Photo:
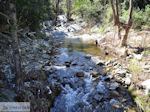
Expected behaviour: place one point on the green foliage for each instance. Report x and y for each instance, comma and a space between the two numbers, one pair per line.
134, 66
32, 12
90, 11
140, 17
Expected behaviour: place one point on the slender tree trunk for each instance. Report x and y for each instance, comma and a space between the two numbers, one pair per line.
57, 11
16, 51
128, 26
116, 16
118, 20
113, 10
69, 5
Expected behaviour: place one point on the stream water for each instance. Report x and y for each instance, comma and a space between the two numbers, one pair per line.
80, 46
81, 91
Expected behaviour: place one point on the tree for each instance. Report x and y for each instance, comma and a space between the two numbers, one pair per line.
69, 8
128, 25
120, 25
56, 11
15, 44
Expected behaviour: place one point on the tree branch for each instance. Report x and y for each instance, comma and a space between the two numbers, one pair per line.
6, 16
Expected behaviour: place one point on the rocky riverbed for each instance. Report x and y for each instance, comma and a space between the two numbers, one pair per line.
64, 73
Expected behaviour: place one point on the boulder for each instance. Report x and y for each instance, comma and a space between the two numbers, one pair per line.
121, 72
97, 61
98, 97
127, 81
80, 74
114, 86
100, 88
94, 74
115, 103
146, 85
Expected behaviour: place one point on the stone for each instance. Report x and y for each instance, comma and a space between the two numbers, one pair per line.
45, 56
138, 56
67, 63
107, 77
94, 74
127, 81
114, 86
27, 84
128, 75
115, 103
97, 61
80, 74
87, 56
121, 72
98, 97
74, 28
47, 68
146, 85
101, 88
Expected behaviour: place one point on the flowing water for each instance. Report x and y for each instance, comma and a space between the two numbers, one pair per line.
83, 93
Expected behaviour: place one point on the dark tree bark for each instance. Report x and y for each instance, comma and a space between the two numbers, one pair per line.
120, 25
56, 11
69, 7
128, 26
15, 44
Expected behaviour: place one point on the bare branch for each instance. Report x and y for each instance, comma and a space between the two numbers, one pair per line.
6, 16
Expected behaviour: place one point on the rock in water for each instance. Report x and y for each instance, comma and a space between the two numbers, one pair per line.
101, 88
115, 103
114, 86
79, 74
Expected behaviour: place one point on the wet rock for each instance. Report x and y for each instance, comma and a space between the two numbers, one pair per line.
101, 88
67, 63
98, 97
87, 56
114, 86
107, 77
48, 90
79, 74
115, 103
114, 94
97, 61
146, 86
94, 74
62, 19
47, 68
27, 84
74, 28
45, 56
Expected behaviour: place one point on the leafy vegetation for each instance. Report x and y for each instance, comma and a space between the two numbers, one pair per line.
134, 66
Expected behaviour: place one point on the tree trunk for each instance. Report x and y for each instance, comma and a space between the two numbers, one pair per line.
116, 16
15, 44
128, 26
56, 11
69, 5
118, 20
113, 10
